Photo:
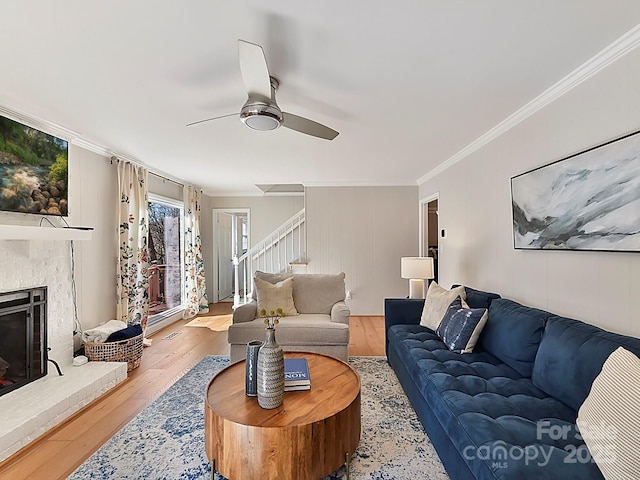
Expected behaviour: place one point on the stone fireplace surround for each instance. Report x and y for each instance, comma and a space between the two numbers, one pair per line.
32, 410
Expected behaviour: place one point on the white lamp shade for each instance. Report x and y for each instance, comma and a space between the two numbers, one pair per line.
416, 267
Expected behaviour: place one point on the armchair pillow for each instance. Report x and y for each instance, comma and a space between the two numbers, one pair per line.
437, 302
275, 295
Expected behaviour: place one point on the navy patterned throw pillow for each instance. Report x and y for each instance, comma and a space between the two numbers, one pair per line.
461, 327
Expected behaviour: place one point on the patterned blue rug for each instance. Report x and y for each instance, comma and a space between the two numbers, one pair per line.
166, 440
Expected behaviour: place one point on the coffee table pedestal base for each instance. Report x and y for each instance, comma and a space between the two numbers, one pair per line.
309, 451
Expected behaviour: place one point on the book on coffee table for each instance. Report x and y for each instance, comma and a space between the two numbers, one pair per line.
296, 374
296, 388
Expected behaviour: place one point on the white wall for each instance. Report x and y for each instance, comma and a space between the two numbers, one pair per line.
93, 199
267, 213
363, 231
475, 208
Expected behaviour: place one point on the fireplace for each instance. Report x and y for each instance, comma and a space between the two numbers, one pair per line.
23, 337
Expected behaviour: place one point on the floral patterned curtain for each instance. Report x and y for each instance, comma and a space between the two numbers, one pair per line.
195, 285
132, 284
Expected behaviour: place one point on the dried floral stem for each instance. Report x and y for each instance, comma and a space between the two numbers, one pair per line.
272, 318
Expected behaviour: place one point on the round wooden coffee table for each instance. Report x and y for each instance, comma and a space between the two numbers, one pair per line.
312, 434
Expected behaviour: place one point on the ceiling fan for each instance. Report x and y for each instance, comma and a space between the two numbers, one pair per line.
260, 111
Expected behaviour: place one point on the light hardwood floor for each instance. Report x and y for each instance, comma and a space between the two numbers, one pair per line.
59, 452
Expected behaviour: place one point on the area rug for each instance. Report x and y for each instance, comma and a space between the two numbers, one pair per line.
166, 439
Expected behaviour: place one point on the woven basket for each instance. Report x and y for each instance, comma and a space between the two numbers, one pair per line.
129, 350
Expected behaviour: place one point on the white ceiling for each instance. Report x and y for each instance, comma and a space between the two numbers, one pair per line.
406, 83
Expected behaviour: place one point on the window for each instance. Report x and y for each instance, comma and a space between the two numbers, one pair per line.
245, 234
166, 227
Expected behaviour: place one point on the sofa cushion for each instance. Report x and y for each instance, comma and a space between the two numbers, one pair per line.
437, 302
478, 298
305, 329
317, 293
272, 296
609, 418
513, 333
312, 292
461, 327
571, 355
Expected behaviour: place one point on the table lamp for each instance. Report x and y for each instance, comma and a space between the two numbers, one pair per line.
416, 269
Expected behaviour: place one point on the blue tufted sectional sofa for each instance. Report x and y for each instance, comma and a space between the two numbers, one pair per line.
508, 409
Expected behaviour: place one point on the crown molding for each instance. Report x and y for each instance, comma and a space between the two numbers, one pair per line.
112, 155
359, 184
232, 193
104, 151
75, 138
610, 54
71, 136
259, 193
92, 147
40, 124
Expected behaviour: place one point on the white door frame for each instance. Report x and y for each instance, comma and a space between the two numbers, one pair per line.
424, 225
215, 242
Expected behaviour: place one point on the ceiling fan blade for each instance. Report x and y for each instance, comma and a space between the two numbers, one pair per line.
254, 70
304, 125
212, 118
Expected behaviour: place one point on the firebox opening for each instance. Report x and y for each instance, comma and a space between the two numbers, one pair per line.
23, 337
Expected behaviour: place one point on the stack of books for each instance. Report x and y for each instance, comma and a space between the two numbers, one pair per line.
296, 374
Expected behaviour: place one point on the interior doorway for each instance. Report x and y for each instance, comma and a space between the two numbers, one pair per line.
429, 231
231, 236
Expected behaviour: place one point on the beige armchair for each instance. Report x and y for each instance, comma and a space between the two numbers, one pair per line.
321, 324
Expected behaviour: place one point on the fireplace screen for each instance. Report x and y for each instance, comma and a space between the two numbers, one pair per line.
23, 337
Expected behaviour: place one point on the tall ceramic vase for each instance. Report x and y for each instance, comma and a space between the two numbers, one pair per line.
270, 372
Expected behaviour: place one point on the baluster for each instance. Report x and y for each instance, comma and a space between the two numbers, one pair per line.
300, 242
244, 274
236, 293
273, 270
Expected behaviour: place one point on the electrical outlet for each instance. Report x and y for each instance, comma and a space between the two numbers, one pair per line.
348, 295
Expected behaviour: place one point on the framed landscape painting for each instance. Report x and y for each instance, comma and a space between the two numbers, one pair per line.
588, 201
33, 170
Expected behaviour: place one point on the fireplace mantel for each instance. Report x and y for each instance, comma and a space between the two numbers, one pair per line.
28, 232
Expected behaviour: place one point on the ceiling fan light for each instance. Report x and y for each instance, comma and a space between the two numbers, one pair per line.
261, 122
262, 116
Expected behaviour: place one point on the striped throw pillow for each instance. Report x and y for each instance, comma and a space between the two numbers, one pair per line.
609, 418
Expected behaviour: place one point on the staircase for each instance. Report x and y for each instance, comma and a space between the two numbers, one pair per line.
285, 246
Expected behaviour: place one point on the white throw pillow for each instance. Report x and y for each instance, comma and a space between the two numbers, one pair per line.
609, 418
437, 302
272, 296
